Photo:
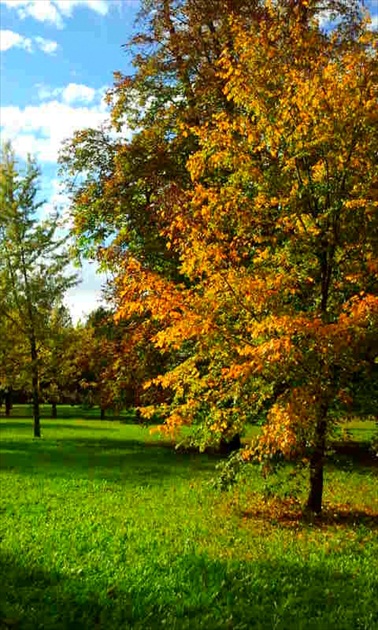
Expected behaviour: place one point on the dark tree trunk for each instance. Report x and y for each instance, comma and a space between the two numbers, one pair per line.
314, 501
102, 413
35, 388
8, 403
54, 413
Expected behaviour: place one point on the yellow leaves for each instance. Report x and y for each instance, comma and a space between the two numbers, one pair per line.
247, 454
237, 371
319, 171
290, 424
355, 204
196, 166
361, 310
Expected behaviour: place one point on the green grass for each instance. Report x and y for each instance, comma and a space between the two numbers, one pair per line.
104, 526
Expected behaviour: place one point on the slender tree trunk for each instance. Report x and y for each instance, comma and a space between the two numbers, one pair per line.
35, 387
54, 413
314, 501
102, 413
8, 403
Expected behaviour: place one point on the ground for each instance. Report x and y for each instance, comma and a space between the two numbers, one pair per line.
104, 526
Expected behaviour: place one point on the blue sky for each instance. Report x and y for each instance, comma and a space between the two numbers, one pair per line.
57, 60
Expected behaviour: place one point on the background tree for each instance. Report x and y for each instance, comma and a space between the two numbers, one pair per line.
33, 263
114, 360
58, 358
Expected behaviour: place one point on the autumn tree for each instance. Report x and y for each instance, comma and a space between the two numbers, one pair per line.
277, 240
58, 359
114, 359
217, 254
33, 263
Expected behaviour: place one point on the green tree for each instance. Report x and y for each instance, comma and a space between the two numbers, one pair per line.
33, 263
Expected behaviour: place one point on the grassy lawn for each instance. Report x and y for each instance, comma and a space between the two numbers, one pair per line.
104, 526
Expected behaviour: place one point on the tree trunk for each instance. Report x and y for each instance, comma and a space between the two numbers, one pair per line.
8, 403
35, 388
102, 413
314, 501
54, 413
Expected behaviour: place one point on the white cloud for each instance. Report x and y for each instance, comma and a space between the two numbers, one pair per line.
53, 11
78, 93
81, 302
41, 10
41, 129
10, 39
47, 46
86, 297
73, 93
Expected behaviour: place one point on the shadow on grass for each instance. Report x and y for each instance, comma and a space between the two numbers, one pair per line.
288, 514
126, 461
195, 592
353, 453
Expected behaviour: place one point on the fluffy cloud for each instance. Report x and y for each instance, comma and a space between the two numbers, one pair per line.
78, 93
71, 93
81, 301
41, 129
10, 39
41, 10
54, 11
46, 45
86, 296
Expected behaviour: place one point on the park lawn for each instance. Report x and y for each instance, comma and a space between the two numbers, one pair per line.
104, 526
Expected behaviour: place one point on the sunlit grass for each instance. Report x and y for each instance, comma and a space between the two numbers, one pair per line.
103, 526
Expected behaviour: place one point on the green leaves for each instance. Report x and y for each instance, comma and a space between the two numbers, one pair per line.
33, 272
